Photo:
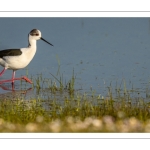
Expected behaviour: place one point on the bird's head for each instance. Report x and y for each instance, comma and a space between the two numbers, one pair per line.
35, 34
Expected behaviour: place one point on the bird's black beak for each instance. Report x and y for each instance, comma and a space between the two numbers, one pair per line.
46, 41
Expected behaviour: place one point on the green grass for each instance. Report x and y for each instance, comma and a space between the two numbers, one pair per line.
76, 112
58, 107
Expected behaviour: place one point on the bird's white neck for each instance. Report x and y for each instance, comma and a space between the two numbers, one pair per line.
32, 43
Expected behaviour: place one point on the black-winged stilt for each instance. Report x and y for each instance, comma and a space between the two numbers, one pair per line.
16, 59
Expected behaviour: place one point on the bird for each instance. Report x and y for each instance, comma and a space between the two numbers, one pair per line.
15, 59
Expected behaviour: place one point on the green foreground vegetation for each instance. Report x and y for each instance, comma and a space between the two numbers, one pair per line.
68, 110
73, 112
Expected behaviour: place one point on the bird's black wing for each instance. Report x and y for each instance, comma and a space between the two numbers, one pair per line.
10, 52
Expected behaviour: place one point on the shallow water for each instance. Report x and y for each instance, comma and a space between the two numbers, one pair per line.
103, 52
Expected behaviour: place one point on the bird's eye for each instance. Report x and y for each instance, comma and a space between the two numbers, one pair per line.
37, 34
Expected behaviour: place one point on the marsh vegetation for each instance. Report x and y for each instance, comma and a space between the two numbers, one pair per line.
56, 106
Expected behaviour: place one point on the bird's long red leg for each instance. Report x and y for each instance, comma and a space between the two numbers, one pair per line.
13, 78
2, 74
2, 71
24, 78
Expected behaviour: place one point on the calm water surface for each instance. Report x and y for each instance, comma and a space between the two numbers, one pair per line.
101, 51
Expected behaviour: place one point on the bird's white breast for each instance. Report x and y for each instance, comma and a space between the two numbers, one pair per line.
20, 61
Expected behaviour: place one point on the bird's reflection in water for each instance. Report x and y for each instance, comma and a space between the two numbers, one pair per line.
14, 91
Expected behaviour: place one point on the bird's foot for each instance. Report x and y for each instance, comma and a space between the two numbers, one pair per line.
26, 79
